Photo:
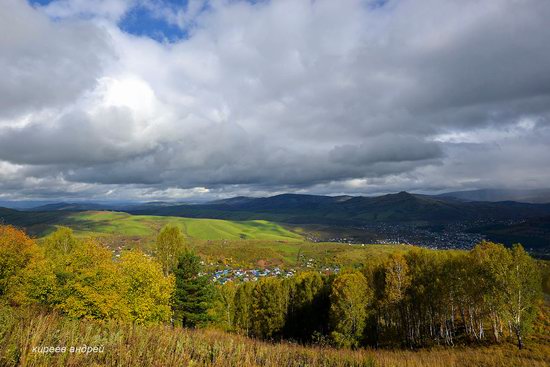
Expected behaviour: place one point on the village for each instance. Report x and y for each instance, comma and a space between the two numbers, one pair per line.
228, 274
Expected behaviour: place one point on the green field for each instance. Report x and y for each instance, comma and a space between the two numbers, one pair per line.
233, 243
290, 254
145, 226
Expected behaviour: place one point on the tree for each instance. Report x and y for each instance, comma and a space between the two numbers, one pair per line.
17, 252
146, 290
396, 279
243, 307
194, 292
61, 242
522, 292
307, 306
169, 246
89, 284
490, 272
225, 304
393, 281
269, 306
349, 298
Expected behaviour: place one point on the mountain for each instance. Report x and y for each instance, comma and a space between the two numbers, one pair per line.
531, 233
73, 207
90, 205
34, 222
22, 204
304, 209
525, 196
316, 209
238, 200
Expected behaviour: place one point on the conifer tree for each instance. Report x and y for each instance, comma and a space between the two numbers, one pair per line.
194, 292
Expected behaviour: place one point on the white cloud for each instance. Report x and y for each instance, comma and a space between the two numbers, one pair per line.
321, 96
112, 10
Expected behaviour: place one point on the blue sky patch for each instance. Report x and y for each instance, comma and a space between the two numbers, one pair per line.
140, 21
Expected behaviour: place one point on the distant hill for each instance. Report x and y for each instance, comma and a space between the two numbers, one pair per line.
317, 209
531, 233
524, 196
22, 204
73, 207
34, 222
303, 209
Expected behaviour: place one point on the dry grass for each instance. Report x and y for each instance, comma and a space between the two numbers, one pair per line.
137, 345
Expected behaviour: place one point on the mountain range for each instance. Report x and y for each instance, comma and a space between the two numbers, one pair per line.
349, 210
335, 216
317, 209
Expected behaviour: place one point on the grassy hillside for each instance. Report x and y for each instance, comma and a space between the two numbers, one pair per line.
289, 254
123, 224
246, 243
97, 223
139, 345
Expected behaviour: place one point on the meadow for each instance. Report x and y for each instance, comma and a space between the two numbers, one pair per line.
221, 242
103, 222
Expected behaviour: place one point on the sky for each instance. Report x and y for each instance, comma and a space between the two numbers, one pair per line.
198, 99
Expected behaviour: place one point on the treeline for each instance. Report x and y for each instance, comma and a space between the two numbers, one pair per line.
415, 299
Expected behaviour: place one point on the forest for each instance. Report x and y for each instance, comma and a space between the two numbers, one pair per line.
406, 300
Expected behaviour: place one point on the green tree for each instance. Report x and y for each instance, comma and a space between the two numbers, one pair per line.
308, 306
269, 306
194, 292
170, 245
349, 298
490, 272
61, 242
243, 307
225, 305
523, 289
392, 283
396, 279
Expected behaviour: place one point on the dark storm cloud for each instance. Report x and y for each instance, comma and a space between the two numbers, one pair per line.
325, 96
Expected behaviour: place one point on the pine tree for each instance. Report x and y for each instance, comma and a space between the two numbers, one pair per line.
194, 292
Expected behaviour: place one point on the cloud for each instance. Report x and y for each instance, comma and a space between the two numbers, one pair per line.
45, 64
273, 96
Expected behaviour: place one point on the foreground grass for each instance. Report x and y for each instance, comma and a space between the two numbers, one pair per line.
138, 345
